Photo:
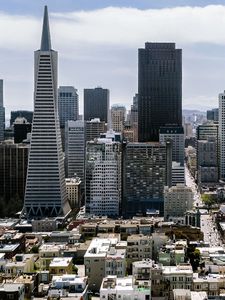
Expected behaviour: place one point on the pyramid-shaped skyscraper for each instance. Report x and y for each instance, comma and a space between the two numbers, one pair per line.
45, 194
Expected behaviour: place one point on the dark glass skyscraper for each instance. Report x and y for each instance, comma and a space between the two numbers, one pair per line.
159, 89
96, 104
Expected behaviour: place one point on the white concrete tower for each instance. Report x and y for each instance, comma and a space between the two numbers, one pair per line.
45, 194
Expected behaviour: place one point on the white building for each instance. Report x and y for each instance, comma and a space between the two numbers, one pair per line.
75, 149
68, 285
45, 193
118, 115
222, 134
123, 288
103, 177
177, 200
73, 191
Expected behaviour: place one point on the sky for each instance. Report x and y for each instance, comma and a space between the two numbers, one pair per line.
98, 40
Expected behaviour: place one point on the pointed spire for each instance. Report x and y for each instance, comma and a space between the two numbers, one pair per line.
45, 38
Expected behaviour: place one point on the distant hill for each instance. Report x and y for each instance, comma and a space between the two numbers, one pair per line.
193, 111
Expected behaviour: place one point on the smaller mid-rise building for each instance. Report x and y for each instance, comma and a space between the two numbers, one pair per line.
123, 288
61, 265
47, 252
118, 115
21, 263
176, 136
13, 291
94, 128
73, 190
139, 247
177, 200
68, 285
178, 173
103, 258
177, 277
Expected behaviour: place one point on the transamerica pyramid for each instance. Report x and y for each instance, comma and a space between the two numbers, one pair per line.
45, 194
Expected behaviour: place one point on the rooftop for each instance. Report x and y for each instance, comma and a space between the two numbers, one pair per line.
60, 262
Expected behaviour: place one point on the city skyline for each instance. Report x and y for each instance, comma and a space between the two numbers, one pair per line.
112, 61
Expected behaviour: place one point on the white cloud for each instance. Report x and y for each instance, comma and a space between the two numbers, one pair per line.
100, 47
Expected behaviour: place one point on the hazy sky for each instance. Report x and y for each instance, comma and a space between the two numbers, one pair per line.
97, 41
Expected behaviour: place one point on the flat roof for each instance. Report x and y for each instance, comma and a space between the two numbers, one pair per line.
60, 262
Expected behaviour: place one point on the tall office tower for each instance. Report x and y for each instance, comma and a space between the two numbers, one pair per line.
28, 115
13, 170
159, 89
118, 115
94, 128
213, 114
21, 128
176, 135
75, 150
68, 104
103, 177
207, 162
45, 194
96, 104
146, 170
2, 112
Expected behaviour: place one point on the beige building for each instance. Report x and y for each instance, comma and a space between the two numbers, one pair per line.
61, 265
138, 247
21, 263
104, 258
177, 200
177, 277
73, 190
47, 252
118, 114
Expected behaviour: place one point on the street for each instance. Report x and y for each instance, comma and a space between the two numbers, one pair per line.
211, 236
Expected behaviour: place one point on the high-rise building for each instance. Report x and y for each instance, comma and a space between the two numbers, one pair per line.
13, 170
207, 130
159, 89
28, 115
68, 104
2, 112
118, 115
178, 173
207, 162
94, 128
75, 150
45, 194
176, 136
146, 170
96, 104
21, 128
103, 177
213, 114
